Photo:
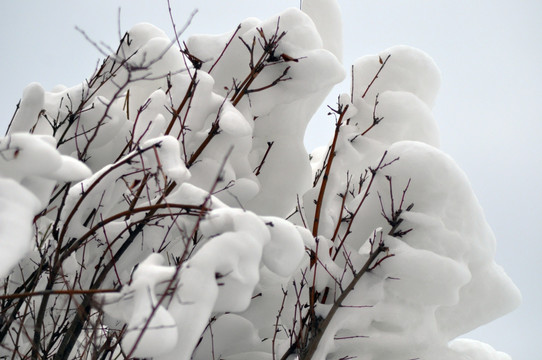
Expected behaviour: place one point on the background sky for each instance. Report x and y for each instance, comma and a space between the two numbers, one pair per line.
489, 108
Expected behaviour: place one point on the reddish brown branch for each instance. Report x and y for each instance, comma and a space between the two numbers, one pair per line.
383, 63
267, 57
210, 135
189, 93
225, 48
319, 201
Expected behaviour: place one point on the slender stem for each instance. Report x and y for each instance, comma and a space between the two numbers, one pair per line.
340, 218
212, 132
365, 196
273, 354
56, 292
382, 64
319, 202
258, 169
187, 95
225, 47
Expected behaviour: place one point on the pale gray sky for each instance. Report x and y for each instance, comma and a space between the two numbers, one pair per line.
489, 108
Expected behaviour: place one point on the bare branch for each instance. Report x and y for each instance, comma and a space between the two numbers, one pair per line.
259, 167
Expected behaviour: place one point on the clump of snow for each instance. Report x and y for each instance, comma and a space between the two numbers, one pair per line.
326, 15
281, 113
18, 208
151, 329
222, 275
30, 107
231, 344
442, 280
473, 349
30, 166
407, 69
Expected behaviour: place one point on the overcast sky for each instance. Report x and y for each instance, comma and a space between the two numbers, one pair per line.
489, 108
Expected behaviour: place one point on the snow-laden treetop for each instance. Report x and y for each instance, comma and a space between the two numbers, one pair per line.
166, 207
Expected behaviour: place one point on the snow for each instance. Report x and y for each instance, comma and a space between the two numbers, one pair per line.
243, 339
30, 107
137, 305
18, 207
282, 112
326, 15
477, 350
406, 118
407, 69
165, 158
30, 166
285, 250
226, 195
442, 273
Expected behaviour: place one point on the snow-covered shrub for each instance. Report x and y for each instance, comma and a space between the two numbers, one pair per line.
166, 208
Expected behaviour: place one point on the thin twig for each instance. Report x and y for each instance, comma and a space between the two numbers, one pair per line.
284, 295
320, 200
225, 47
374, 171
382, 64
56, 292
259, 167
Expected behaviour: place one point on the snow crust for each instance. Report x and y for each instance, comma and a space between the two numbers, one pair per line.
223, 276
